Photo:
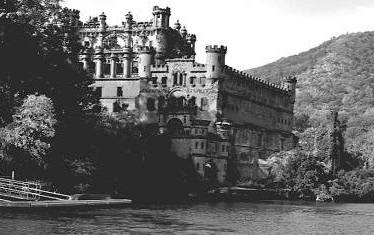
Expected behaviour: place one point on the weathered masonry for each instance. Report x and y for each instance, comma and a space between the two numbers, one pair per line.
212, 112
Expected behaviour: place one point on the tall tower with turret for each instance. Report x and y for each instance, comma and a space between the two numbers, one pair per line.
215, 61
144, 60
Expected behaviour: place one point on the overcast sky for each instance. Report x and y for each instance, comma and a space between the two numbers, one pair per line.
256, 32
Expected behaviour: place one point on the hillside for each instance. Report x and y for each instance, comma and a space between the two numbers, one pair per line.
339, 73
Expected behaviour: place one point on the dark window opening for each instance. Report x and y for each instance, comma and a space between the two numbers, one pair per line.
192, 81
119, 92
164, 81
119, 68
213, 67
175, 79
180, 79
106, 69
197, 166
154, 81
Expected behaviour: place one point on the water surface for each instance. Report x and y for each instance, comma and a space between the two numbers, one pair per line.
201, 218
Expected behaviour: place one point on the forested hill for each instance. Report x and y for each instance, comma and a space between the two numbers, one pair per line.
338, 73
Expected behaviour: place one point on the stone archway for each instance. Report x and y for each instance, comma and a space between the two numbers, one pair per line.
175, 126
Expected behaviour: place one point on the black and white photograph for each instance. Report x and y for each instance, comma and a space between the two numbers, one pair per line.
186, 117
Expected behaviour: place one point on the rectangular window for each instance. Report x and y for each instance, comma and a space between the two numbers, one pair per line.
154, 81
202, 81
202, 145
164, 81
106, 69
213, 68
175, 79
196, 145
192, 81
119, 92
223, 148
119, 68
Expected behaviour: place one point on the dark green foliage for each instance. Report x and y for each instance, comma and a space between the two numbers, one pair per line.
299, 172
357, 185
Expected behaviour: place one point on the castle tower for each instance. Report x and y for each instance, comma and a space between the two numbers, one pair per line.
99, 57
290, 85
102, 19
215, 61
145, 60
127, 50
161, 17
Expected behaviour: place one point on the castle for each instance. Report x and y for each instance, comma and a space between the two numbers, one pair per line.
212, 112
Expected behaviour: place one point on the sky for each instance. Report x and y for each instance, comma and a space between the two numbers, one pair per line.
256, 32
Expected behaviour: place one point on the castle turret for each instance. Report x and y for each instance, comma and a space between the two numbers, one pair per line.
99, 57
184, 32
102, 18
127, 50
192, 41
161, 17
215, 61
177, 25
290, 84
144, 61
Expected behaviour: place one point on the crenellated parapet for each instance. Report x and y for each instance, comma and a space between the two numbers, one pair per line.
216, 49
232, 72
160, 68
144, 50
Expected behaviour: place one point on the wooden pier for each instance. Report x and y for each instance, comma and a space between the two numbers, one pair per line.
65, 203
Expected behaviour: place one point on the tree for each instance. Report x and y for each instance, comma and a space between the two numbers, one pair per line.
300, 172
28, 138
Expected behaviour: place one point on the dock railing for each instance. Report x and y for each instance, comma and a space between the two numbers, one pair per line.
27, 191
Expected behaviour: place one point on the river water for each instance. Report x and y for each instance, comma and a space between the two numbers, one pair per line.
200, 218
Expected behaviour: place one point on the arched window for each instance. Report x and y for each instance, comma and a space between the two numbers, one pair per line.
180, 79
119, 67
175, 79
175, 126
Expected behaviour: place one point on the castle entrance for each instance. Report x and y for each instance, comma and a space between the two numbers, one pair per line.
175, 126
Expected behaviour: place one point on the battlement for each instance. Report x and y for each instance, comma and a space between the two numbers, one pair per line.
216, 49
290, 79
198, 65
160, 68
159, 10
102, 16
244, 75
144, 49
